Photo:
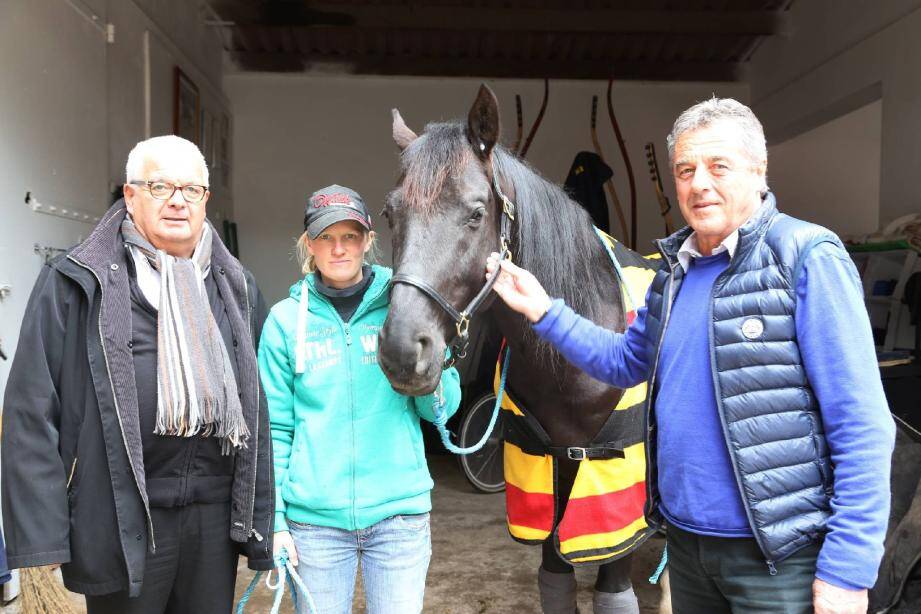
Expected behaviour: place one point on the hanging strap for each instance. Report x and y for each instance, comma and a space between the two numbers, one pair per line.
300, 335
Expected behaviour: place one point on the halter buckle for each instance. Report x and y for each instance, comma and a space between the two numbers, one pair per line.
463, 325
508, 207
506, 252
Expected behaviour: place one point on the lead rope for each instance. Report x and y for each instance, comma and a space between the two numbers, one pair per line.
286, 573
654, 578
441, 416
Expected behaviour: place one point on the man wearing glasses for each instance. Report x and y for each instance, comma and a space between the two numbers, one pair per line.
136, 446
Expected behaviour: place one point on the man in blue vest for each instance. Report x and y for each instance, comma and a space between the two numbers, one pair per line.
768, 434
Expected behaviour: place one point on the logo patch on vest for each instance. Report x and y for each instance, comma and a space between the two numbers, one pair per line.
752, 328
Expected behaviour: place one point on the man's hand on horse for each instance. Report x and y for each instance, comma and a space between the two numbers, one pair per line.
830, 599
518, 288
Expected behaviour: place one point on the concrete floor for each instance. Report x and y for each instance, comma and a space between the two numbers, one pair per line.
476, 567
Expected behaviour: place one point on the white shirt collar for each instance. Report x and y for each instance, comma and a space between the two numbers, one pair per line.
689, 250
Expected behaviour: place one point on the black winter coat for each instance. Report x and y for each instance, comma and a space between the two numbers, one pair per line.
72, 466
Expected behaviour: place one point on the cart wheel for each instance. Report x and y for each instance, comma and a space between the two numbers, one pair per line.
484, 468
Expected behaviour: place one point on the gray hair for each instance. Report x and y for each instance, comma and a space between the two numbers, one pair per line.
708, 112
162, 147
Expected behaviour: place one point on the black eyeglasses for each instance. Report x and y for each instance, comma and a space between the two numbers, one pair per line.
164, 190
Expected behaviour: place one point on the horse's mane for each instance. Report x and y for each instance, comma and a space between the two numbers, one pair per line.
552, 235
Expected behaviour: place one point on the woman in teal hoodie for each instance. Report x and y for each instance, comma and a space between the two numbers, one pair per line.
351, 480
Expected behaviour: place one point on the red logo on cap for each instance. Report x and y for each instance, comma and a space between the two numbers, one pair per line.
337, 198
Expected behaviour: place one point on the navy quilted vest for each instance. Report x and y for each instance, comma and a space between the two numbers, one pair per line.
769, 413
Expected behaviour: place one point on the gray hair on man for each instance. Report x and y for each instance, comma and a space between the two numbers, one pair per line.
163, 147
714, 110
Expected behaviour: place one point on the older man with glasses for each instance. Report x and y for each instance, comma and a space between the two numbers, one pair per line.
136, 446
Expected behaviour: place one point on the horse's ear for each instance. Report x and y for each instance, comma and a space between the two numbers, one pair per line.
483, 122
401, 132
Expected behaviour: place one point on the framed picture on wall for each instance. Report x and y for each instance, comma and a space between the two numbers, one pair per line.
224, 150
207, 139
230, 238
186, 108
234, 241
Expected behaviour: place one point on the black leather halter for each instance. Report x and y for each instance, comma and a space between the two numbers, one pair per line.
462, 318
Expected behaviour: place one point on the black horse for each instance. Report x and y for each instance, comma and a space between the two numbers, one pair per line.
445, 217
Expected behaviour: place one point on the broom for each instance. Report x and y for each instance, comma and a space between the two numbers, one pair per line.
43, 593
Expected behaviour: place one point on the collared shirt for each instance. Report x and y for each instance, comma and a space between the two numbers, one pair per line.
689, 250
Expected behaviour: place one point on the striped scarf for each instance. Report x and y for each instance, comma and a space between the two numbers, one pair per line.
196, 387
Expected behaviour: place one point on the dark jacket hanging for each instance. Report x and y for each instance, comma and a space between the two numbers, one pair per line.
585, 184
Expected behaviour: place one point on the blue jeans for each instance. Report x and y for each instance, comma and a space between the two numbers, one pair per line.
394, 556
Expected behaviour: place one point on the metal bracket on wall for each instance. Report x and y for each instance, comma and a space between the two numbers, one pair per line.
70, 213
47, 252
85, 11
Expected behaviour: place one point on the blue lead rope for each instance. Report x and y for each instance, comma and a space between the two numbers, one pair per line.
441, 416
286, 573
654, 578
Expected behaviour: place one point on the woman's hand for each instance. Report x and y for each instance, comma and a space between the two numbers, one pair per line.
518, 288
283, 539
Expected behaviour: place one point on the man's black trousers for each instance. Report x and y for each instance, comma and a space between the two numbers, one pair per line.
723, 575
193, 570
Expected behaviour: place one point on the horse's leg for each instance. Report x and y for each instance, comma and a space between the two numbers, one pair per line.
613, 590
556, 579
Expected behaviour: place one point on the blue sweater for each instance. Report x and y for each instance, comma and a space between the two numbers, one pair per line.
700, 496
836, 345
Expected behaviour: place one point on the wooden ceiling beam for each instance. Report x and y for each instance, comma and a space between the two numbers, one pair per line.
612, 21
493, 69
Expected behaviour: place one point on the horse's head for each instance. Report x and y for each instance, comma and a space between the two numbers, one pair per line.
444, 216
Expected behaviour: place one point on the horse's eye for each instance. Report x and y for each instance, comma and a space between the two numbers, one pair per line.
477, 215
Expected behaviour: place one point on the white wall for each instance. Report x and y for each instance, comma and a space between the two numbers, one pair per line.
72, 106
297, 133
806, 172
843, 56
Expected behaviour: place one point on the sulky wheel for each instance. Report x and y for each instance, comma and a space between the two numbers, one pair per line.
484, 468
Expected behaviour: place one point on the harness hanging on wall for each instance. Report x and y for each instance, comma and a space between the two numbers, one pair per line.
631, 238
519, 124
523, 152
609, 184
603, 518
665, 206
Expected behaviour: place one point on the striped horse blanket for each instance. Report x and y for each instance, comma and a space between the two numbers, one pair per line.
603, 518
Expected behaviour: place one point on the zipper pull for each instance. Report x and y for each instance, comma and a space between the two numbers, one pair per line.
348, 335
256, 534
771, 569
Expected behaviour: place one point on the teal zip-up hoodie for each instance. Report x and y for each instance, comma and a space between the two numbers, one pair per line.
348, 449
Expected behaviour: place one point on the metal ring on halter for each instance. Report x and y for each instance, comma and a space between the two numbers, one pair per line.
463, 325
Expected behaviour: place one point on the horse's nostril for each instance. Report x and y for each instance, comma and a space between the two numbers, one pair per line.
423, 348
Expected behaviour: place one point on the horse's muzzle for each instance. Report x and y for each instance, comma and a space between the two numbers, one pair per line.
410, 358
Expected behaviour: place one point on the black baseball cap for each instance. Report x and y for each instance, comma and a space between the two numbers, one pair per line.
333, 204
